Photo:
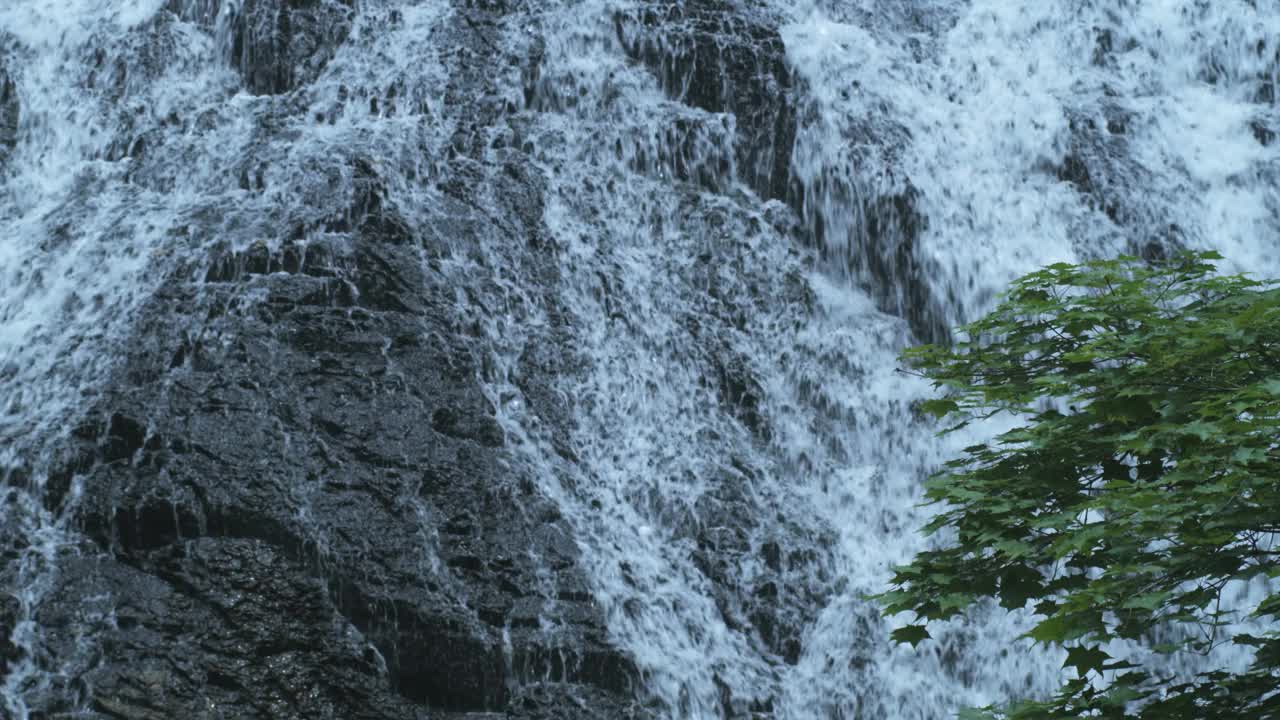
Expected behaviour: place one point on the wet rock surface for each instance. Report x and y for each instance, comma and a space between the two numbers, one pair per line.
296, 493
868, 228
278, 45
858, 206
9, 614
1099, 166
768, 578
309, 446
201, 12
887, 258
9, 115
297, 498
208, 628
721, 58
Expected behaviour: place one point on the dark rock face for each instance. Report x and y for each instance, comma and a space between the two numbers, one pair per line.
869, 227
215, 627
9, 612
1263, 131
772, 581
278, 45
1100, 167
722, 59
887, 256
9, 115
893, 226
297, 497
201, 12
304, 472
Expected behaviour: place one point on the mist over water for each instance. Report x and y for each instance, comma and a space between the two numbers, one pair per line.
744, 464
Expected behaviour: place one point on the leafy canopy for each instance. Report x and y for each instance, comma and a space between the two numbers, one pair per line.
1144, 478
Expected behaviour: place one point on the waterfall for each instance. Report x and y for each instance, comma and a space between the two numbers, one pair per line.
91, 219
746, 210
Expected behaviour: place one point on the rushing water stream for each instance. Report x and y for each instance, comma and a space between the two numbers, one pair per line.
746, 460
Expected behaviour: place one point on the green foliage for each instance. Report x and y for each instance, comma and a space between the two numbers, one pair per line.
1145, 476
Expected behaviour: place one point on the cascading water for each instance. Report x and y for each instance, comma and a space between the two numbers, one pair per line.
942, 149
753, 206
137, 156
90, 222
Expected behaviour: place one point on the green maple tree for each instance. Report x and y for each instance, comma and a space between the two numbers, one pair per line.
1144, 477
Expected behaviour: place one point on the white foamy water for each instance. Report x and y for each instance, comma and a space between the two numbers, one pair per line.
88, 229
745, 462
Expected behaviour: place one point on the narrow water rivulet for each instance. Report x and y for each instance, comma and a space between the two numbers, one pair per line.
417, 358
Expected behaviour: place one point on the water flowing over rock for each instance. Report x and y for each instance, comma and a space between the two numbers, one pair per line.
278, 45
340, 410
723, 58
531, 359
201, 12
